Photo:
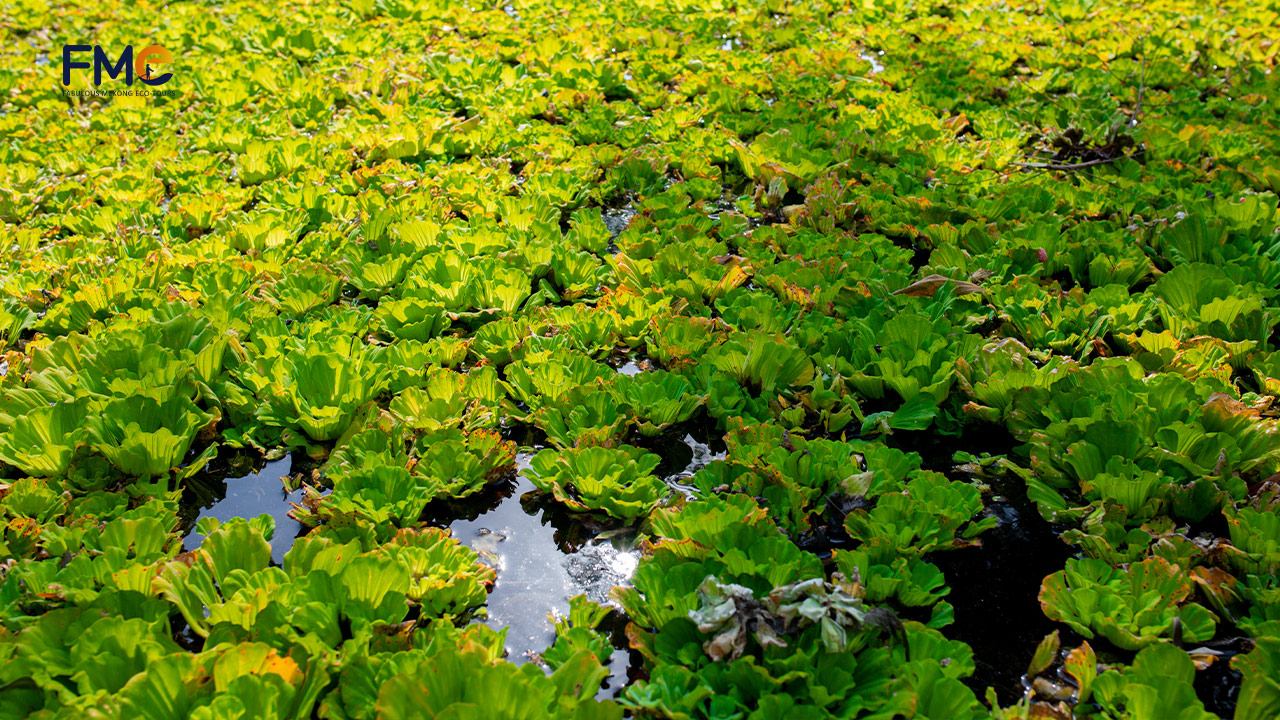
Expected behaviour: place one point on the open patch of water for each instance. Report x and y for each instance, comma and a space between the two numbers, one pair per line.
543, 558
630, 368
630, 362
617, 220
697, 456
995, 587
874, 58
995, 592
257, 490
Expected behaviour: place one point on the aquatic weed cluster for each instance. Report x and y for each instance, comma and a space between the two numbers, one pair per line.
395, 235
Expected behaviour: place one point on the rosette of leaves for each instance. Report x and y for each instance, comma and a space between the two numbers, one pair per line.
733, 539
656, 400
762, 363
634, 313
931, 513
259, 161
227, 591
1200, 356
463, 462
1063, 322
100, 565
1203, 441
405, 360
906, 353
386, 472
110, 653
791, 481
319, 390
463, 683
1131, 606
797, 476
191, 342
264, 229
578, 631
449, 400
1266, 371
508, 339
377, 494
746, 311
577, 274
617, 481
1255, 539
43, 442
146, 438
595, 419
331, 578
589, 330
14, 319
378, 269
447, 277
906, 581
1142, 493
548, 379
33, 498
85, 303
730, 537
1109, 534
413, 317
131, 664
1201, 299
677, 341
671, 266
1260, 691
356, 694
304, 289
501, 287
146, 679
172, 354
1260, 594
446, 578
997, 371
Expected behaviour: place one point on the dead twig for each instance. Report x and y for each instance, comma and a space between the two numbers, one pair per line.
1070, 166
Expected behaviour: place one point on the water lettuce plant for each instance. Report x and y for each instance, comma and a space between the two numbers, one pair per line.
1131, 606
861, 321
615, 481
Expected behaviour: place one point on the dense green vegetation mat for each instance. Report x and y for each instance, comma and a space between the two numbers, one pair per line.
910, 269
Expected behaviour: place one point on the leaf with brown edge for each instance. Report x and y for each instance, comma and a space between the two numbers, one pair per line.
1082, 665
1218, 585
929, 286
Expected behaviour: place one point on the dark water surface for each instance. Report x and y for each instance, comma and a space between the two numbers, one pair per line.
542, 558
256, 492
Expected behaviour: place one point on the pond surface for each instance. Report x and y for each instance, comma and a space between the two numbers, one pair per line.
543, 558
260, 491
542, 554
995, 588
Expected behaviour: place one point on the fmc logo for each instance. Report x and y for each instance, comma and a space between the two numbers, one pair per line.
132, 66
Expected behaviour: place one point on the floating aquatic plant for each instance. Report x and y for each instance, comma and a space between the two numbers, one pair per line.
887, 285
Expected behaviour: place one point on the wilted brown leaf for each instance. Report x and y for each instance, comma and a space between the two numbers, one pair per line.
928, 286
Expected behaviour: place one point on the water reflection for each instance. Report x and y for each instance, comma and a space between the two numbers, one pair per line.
543, 556
247, 496
531, 580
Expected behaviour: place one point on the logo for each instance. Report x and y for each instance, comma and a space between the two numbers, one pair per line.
139, 66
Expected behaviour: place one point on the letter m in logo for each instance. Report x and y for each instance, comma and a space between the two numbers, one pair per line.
101, 61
